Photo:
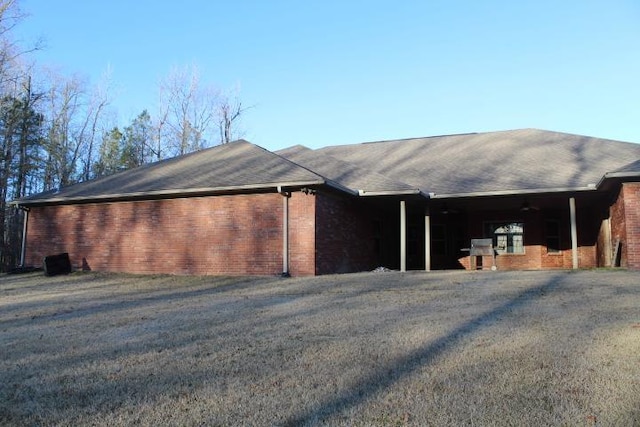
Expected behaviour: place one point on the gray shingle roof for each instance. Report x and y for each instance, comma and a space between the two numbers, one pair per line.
518, 160
346, 174
510, 161
632, 168
237, 165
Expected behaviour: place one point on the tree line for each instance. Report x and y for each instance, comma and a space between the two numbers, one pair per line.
57, 130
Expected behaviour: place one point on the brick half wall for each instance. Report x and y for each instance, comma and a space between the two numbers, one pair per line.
235, 235
344, 235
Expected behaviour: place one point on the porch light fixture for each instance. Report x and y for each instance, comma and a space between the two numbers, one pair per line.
526, 207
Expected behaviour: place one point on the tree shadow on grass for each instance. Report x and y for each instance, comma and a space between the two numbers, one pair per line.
85, 304
402, 367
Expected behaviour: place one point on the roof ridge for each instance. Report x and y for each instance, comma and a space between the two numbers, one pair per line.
419, 137
433, 136
296, 164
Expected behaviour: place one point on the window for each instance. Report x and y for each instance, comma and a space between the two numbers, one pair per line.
552, 234
508, 237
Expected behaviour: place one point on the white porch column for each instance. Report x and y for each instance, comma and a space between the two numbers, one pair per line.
23, 248
608, 250
574, 232
427, 240
403, 236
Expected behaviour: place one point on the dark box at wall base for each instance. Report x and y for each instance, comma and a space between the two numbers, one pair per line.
57, 264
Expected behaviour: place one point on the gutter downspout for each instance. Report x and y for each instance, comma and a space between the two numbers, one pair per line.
23, 247
285, 231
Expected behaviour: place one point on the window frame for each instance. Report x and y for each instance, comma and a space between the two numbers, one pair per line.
489, 231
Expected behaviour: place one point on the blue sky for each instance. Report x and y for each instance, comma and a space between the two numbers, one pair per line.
330, 72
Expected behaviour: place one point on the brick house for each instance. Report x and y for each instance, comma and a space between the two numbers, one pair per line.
542, 199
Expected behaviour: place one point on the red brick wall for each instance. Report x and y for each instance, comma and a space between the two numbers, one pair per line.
302, 223
619, 225
536, 255
344, 235
531, 259
237, 235
631, 248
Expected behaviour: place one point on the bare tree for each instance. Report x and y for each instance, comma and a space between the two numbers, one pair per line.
160, 121
230, 110
73, 115
100, 99
10, 15
187, 110
64, 102
11, 70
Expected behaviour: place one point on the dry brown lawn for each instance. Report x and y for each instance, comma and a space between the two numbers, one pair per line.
439, 348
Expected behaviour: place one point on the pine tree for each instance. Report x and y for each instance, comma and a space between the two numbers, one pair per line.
138, 142
110, 153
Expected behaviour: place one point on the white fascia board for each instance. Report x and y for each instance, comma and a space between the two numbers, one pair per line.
413, 192
613, 175
514, 192
191, 192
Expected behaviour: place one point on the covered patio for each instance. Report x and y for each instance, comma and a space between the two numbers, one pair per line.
528, 231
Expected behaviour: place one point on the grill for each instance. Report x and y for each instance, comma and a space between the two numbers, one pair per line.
479, 249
